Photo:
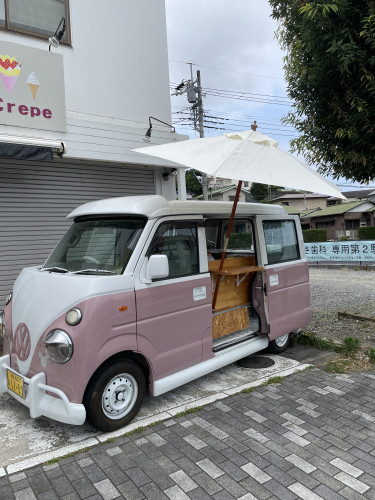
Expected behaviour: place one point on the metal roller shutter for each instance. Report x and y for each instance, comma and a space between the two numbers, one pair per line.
35, 199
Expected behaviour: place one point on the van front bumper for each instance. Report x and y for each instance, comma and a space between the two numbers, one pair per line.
40, 403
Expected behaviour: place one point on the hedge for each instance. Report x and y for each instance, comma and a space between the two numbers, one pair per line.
240, 240
314, 235
366, 233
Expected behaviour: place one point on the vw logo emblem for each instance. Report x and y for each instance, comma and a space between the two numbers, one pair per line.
22, 342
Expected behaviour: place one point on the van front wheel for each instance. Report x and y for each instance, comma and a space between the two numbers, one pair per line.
279, 344
115, 395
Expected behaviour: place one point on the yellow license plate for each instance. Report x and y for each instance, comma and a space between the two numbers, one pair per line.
15, 383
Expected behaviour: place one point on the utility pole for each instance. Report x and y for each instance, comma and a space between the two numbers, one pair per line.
201, 129
194, 97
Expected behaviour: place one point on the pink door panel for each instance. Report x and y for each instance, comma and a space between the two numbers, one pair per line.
171, 324
288, 296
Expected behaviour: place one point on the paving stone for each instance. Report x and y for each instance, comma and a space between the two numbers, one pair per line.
40, 483
152, 492
183, 481
230, 485
116, 474
310, 437
130, 491
51, 495
279, 490
21, 485
353, 483
199, 494
107, 489
321, 477
167, 465
209, 485
61, 485
327, 493
84, 487
302, 492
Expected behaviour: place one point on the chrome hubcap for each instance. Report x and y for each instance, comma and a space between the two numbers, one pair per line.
281, 341
119, 396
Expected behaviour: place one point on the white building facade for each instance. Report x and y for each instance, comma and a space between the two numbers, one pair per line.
94, 93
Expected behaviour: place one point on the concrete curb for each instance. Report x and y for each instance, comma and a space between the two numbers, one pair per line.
358, 316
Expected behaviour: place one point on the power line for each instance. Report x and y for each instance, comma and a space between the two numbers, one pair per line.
244, 96
231, 71
247, 118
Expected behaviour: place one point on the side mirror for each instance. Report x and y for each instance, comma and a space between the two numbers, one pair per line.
157, 267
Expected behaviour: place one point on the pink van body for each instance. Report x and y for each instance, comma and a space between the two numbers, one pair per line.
164, 325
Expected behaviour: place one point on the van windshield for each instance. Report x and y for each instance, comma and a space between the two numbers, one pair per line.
100, 246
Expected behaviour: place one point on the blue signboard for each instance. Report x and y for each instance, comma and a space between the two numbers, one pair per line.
355, 251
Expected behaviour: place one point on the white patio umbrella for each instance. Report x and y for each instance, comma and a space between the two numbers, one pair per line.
244, 156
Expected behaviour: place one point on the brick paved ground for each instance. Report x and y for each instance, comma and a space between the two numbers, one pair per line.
310, 437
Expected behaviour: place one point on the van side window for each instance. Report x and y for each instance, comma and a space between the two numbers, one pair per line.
240, 240
179, 242
281, 241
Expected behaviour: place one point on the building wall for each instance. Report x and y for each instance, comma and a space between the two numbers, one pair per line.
300, 204
116, 76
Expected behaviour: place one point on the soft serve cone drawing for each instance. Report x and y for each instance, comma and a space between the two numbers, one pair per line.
10, 70
34, 83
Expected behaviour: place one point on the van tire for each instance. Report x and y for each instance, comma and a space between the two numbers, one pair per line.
114, 395
279, 344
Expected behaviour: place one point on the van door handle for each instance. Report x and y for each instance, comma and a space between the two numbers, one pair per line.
259, 288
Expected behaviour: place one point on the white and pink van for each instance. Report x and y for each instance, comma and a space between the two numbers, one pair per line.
124, 304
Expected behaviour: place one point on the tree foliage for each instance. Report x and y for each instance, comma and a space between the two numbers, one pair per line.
330, 72
193, 185
261, 192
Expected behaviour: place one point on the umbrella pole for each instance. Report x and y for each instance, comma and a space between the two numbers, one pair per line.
224, 252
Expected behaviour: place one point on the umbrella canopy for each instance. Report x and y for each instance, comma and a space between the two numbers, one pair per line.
246, 156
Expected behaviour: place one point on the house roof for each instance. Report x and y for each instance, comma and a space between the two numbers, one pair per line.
359, 193
341, 208
291, 210
222, 190
299, 196
307, 212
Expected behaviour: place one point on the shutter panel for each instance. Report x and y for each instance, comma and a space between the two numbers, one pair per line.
36, 198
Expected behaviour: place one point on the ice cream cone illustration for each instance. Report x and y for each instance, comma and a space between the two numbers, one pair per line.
34, 83
10, 70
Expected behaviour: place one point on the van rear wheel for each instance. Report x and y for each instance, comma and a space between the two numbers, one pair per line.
279, 344
115, 395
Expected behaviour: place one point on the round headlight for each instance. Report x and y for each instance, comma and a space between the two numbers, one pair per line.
58, 346
9, 298
73, 317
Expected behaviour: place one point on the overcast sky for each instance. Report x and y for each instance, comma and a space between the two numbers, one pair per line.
233, 45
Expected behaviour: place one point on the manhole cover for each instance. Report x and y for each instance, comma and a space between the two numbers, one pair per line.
255, 362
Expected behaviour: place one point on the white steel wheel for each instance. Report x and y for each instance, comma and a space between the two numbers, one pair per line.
279, 344
114, 395
119, 396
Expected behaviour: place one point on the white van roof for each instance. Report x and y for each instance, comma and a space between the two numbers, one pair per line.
153, 206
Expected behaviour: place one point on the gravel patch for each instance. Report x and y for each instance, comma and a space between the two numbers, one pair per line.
334, 290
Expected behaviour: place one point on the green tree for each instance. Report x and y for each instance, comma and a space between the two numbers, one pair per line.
330, 72
193, 185
261, 192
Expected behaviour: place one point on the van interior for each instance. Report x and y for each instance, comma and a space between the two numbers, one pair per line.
234, 316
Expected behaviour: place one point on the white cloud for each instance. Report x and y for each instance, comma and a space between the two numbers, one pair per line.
237, 38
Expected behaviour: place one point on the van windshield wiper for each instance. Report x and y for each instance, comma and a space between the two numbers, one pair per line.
84, 271
54, 269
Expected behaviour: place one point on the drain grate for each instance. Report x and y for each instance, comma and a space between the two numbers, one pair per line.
255, 362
